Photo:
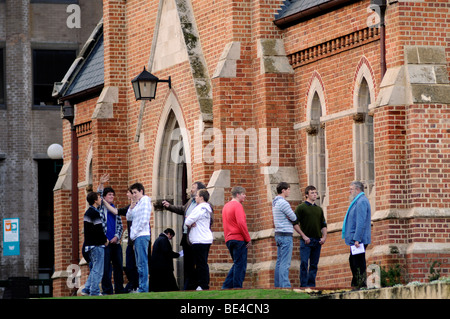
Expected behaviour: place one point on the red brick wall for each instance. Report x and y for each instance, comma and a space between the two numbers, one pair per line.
410, 167
410, 159
423, 23
427, 128
62, 240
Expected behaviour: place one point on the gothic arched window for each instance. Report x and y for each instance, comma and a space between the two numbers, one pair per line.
364, 139
316, 150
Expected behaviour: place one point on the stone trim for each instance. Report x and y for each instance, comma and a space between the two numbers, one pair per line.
333, 46
423, 79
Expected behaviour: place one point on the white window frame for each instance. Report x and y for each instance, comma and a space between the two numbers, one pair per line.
363, 130
317, 155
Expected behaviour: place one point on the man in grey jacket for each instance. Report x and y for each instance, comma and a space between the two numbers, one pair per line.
356, 232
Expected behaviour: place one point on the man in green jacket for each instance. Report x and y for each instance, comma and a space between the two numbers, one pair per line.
313, 235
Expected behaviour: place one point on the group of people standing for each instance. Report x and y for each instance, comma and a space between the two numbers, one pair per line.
197, 237
149, 270
308, 221
103, 231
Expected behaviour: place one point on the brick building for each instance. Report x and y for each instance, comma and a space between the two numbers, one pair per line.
38, 41
308, 92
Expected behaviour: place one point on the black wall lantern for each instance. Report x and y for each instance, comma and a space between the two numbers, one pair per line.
144, 85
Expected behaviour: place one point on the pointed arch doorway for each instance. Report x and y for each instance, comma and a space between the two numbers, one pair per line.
171, 176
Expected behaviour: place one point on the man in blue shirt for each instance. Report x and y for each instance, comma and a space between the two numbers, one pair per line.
113, 228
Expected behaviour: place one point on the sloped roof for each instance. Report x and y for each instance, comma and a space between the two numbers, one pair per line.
295, 11
87, 71
91, 73
291, 7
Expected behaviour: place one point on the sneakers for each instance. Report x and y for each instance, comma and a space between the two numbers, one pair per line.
86, 293
199, 288
83, 293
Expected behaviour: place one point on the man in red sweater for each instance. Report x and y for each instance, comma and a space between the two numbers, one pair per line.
237, 237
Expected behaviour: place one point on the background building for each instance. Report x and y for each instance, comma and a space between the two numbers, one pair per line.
308, 92
39, 39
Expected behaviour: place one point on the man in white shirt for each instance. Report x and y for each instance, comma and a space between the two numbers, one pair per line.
139, 214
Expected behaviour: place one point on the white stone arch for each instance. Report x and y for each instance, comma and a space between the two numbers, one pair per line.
317, 156
88, 169
169, 170
364, 71
89, 175
171, 105
363, 134
316, 86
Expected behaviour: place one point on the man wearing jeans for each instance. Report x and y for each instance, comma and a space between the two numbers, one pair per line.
94, 245
313, 232
283, 217
139, 213
237, 238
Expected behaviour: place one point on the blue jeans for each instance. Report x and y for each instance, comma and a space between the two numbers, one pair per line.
236, 275
309, 253
92, 286
141, 251
284, 256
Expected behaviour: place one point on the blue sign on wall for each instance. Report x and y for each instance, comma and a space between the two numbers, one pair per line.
11, 242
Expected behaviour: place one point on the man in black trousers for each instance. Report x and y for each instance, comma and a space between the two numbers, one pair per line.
185, 210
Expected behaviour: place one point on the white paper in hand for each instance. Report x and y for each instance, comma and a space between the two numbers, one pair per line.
357, 250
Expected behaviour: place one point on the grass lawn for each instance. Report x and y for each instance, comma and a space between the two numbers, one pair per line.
210, 294
233, 303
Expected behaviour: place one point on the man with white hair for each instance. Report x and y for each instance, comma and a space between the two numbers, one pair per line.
356, 232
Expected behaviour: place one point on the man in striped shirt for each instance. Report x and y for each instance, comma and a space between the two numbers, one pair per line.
283, 217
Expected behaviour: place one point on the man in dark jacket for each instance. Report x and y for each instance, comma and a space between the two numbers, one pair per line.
161, 274
94, 244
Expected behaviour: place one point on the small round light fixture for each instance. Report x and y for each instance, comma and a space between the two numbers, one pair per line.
55, 151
